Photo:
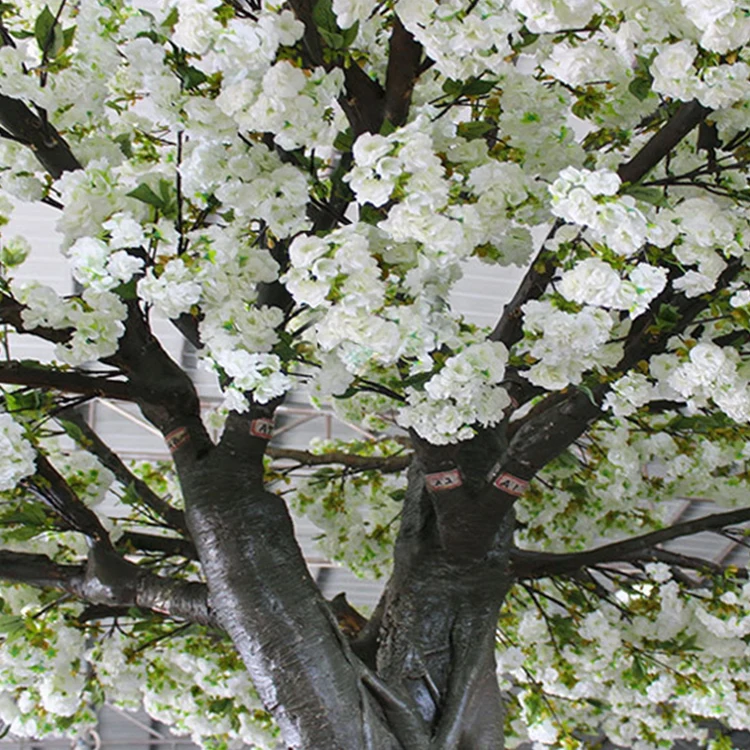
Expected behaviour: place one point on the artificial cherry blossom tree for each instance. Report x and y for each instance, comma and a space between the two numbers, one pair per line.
298, 186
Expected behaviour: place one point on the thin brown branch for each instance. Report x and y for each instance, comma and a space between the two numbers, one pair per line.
384, 464
90, 441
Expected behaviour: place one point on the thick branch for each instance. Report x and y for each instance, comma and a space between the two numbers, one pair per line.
164, 392
687, 117
10, 313
364, 97
542, 564
166, 545
542, 270
35, 131
38, 571
404, 57
37, 375
49, 486
90, 441
109, 580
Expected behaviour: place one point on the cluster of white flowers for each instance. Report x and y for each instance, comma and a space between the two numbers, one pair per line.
96, 319
43, 669
259, 373
17, 456
564, 345
589, 199
555, 15
92, 264
593, 281
250, 180
465, 392
461, 44
594, 665
718, 87
712, 372
299, 107
55, 673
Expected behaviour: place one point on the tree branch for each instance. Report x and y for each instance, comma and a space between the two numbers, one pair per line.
167, 545
163, 390
49, 486
543, 268
36, 375
687, 117
383, 464
404, 57
542, 564
108, 579
35, 131
88, 439
10, 313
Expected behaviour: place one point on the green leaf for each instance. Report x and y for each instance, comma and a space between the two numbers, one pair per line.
350, 34
145, 194
473, 130
127, 291
344, 141
640, 87
123, 141
478, 87
452, 88
74, 432
652, 195
11, 624
48, 33
191, 77
324, 17
387, 127
333, 39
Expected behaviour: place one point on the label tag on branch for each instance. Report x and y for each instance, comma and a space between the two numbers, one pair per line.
441, 481
177, 438
509, 484
262, 428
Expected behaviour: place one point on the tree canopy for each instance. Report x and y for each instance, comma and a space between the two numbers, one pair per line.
298, 186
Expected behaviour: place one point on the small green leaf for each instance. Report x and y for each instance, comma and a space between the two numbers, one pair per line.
452, 88
324, 17
652, 195
344, 141
333, 39
473, 130
350, 34
127, 291
478, 87
49, 34
640, 87
145, 194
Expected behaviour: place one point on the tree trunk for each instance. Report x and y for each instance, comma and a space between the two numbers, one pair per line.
421, 675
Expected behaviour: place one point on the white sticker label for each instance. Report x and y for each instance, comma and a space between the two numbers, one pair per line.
262, 428
177, 438
443, 480
511, 485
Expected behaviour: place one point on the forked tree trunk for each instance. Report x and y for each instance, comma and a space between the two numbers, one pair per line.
421, 674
